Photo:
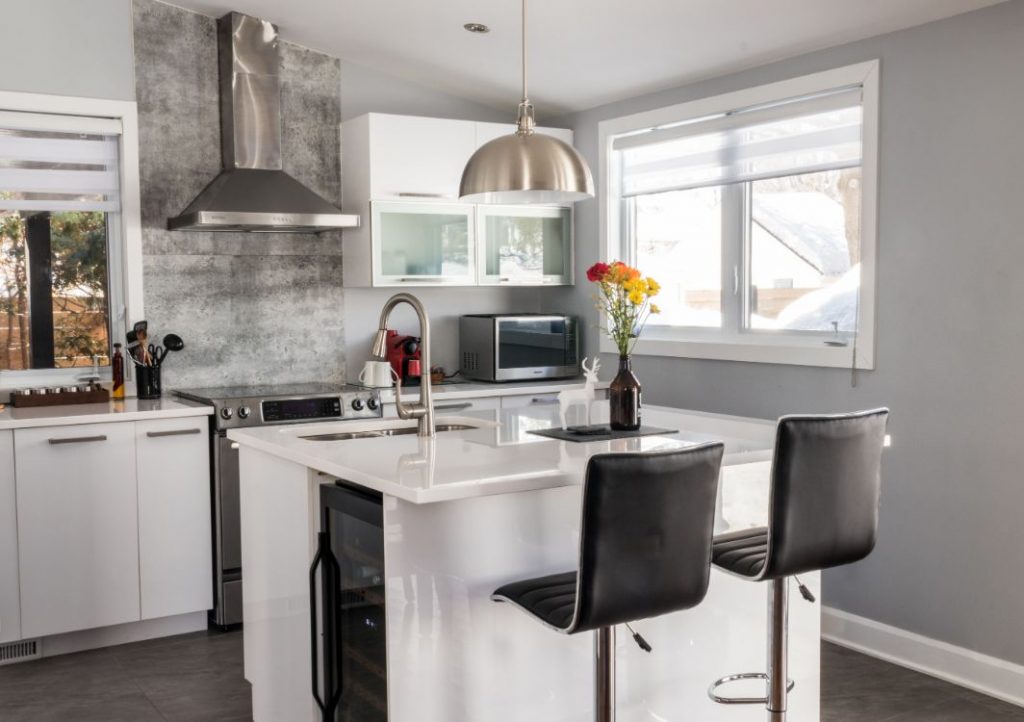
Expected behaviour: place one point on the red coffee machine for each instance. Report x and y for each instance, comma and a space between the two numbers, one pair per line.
404, 355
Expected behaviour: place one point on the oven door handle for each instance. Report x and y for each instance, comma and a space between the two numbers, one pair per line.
331, 571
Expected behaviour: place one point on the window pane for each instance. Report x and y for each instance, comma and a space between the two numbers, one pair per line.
53, 289
678, 241
805, 252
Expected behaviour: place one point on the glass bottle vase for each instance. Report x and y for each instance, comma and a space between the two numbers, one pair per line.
624, 398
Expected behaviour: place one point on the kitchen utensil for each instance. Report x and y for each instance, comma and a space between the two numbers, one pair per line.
378, 374
173, 342
141, 329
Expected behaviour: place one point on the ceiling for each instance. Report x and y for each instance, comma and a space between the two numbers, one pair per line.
583, 53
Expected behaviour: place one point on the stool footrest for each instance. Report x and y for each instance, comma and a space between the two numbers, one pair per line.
713, 694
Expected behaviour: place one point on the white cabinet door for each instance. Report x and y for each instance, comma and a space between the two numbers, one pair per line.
78, 543
423, 243
413, 157
10, 604
525, 245
173, 461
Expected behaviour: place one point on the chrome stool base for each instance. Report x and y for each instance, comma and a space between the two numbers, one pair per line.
742, 700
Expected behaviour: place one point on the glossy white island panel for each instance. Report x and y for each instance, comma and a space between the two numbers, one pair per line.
468, 512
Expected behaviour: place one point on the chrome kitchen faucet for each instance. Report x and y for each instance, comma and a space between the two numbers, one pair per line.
424, 408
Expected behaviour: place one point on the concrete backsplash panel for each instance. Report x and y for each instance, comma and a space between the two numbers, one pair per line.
252, 308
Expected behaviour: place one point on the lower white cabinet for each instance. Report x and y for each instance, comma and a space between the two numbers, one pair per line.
78, 543
521, 402
449, 407
10, 604
172, 457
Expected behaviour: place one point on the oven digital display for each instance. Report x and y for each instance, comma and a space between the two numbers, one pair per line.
301, 409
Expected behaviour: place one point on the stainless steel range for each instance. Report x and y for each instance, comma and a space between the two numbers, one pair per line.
238, 407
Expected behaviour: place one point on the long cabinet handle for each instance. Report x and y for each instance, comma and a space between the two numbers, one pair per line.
541, 401
77, 439
420, 279
453, 407
176, 432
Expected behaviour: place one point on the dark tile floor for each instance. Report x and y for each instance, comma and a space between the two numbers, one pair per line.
198, 678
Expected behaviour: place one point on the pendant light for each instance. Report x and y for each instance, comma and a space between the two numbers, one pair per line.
526, 167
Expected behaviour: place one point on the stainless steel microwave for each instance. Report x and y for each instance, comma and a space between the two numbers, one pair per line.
520, 347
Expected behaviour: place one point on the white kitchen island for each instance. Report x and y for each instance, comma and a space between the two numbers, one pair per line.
458, 516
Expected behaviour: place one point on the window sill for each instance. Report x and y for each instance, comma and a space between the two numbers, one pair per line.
791, 352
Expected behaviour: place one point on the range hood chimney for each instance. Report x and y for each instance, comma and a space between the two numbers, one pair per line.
253, 193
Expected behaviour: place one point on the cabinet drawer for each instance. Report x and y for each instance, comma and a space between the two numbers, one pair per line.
449, 407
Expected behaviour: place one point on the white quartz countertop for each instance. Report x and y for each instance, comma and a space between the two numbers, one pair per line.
498, 457
123, 410
479, 389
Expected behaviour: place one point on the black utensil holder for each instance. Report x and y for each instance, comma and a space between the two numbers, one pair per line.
147, 382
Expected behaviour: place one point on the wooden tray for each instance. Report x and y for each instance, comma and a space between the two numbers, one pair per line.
96, 396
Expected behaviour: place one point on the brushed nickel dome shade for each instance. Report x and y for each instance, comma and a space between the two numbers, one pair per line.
526, 168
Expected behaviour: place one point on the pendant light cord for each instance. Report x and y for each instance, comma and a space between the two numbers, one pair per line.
526, 97
525, 122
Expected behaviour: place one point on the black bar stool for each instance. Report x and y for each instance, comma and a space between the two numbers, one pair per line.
823, 513
645, 550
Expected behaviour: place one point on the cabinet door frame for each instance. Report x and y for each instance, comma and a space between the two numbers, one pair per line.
486, 279
422, 208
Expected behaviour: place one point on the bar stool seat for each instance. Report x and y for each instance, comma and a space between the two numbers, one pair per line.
551, 599
741, 552
645, 550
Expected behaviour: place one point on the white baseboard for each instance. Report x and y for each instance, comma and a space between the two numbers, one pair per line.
973, 670
122, 634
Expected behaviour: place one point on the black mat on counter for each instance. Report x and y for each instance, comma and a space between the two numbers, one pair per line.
598, 433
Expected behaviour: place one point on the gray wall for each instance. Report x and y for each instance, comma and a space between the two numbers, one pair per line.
67, 47
949, 346
252, 308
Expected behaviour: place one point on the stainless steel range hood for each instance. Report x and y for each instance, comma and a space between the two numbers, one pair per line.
253, 193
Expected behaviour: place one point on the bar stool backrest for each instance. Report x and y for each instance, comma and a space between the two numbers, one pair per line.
825, 488
645, 539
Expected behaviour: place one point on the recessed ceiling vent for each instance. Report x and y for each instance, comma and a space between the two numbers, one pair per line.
253, 193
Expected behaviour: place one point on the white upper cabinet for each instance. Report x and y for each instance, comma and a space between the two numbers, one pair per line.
417, 158
401, 174
173, 461
78, 537
10, 604
523, 245
422, 243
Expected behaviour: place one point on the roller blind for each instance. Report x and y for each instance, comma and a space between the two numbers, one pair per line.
803, 135
58, 163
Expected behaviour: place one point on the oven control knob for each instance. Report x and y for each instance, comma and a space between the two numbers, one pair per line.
243, 412
357, 404
371, 403
226, 413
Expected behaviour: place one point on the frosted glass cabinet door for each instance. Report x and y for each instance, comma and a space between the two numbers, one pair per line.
422, 243
522, 245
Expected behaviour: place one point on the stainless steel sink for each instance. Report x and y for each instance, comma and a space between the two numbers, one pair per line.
371, 433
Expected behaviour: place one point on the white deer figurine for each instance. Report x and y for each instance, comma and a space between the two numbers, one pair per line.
570, 397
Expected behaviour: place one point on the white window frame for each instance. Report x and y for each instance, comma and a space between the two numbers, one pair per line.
791, 348
124, 260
